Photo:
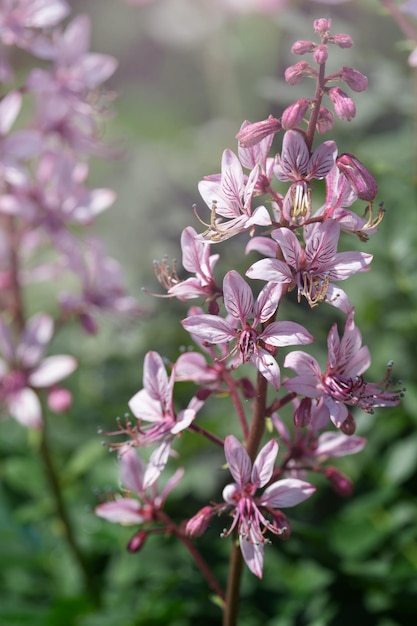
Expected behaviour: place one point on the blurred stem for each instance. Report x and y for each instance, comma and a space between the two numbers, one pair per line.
16, 300
231, 611
231, 383
63, 515
401, 20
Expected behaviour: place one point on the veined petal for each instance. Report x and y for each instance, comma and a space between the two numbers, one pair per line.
232, 182
123, 511
36, 336
304, 364
272, 270
145, 408
322, 160
264, 463
192, 249
237, 458
336, 444
290, 247
156, 464
259, 217
286, 492
267, 302
183, 421
253, 553
267, 366
155, 378
210, 327
132, 469
286, 334
293, 162
347, 263
238, 298
308, 386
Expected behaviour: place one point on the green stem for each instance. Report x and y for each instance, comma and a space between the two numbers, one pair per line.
62, 513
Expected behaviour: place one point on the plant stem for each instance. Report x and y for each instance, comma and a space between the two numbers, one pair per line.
62, 513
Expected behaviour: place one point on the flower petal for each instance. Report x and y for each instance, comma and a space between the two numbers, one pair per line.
122, 511
237, 458
286, 492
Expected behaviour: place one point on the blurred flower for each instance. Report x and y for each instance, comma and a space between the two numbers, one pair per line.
23, 369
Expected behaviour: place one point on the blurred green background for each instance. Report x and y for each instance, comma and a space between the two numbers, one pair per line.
190, 72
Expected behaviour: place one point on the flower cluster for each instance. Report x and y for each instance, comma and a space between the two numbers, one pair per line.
239, 330
45, 203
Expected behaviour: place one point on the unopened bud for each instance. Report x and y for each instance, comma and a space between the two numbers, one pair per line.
325, 121
295, 73
303, 47
203, 393
349, 425
302, 414
361, 180
247, 387
198, 524
343, 105
59, 399
213, 307
354, 79
254, 133
294, 114
342, 40
321, 54
138, 541
322, 26
340, 483
88, 324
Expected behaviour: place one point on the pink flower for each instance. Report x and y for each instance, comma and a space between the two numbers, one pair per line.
251, 345
23, 369
255, 515
102, 286
229, 196
196, 258
154, 403
296, 165
312, 268
141, 479
342, 384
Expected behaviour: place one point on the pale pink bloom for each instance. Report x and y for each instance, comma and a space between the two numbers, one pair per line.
101, 283
253, 515
154, 404
256, 155
229, 195
342, 383
296, 165
251, 344
312, 268
14, 148
23, 369
340, 195
196, 258
20, 21
140, 479
64, 105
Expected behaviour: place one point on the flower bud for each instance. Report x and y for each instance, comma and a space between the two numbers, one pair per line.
198, 524
295, 73
354, 79
213, 307
362, 182
349, 425
247, 387
294, 114
343, 105
252, 134
322, 26
342, 40
320, 54
280, 523
302, 414
138, 541
325, 121
303, 47
340, 483
59, 399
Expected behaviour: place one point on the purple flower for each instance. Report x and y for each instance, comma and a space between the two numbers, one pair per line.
296, 165
342, 383
229, 196
196, 258
255, 515
154, 403
101, 283
141, 479
312, 268
251, 345
23, 369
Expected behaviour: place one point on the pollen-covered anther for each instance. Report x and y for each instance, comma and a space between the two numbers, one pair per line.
314, 290
301, 200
